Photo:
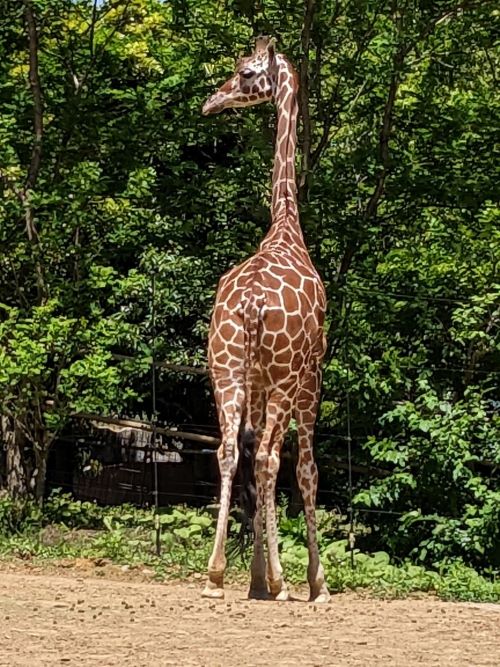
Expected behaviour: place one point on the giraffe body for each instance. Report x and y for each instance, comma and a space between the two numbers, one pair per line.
266, 342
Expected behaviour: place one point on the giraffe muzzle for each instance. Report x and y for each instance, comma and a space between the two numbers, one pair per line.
212, 105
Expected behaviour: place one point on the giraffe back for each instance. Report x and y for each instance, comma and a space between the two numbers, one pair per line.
286, 300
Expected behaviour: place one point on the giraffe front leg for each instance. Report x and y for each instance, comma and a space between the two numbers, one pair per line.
258, 586
277, 585
307, 477
278, 415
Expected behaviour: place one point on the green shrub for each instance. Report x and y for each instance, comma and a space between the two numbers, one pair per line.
459, 582
449, 506
62, 508
18, 515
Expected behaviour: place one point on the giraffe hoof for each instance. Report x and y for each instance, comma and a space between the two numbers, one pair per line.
259, 594
322, 598
278, 590
283, 596
213, 593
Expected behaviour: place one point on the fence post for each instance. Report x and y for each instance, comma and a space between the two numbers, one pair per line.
351, 536
154, 416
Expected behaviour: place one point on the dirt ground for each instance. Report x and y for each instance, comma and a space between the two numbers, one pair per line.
67, 617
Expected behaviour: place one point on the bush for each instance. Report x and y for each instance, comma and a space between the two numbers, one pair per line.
17, 515
62, 508
449, 506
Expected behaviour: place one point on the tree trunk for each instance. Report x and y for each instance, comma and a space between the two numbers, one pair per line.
13, 442
41, 473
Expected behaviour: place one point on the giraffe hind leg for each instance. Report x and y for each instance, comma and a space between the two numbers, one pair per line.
230, 403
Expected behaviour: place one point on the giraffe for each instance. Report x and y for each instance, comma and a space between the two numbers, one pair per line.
266, 345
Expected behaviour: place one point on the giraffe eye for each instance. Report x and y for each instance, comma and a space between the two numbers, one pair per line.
247, 73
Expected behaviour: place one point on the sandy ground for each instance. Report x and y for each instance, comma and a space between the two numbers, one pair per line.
61, 617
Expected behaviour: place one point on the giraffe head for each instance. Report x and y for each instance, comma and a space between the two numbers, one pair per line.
252, 83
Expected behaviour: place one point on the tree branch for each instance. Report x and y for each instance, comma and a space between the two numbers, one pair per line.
178, 368
36, 91
386, 126
329, 120
80, 83
36, 152
475, 354
303, 185
117, 425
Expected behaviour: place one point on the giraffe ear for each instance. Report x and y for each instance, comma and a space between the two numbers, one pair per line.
261, 43
270, 50
265, 44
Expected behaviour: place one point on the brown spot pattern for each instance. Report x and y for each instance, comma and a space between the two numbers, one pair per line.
266, 339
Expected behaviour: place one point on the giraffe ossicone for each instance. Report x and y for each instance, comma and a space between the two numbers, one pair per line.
266, 346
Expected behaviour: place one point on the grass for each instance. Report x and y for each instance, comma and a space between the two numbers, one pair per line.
125, 536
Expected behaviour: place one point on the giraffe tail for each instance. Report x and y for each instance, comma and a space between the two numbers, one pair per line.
251, 310
248, 490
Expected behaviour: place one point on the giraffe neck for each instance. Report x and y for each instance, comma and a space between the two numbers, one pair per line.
285, 225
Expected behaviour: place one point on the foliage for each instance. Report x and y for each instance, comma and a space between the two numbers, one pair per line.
436, 458
399, 204
18, 515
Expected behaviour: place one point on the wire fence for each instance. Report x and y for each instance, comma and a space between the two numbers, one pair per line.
144, 469
116, 469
